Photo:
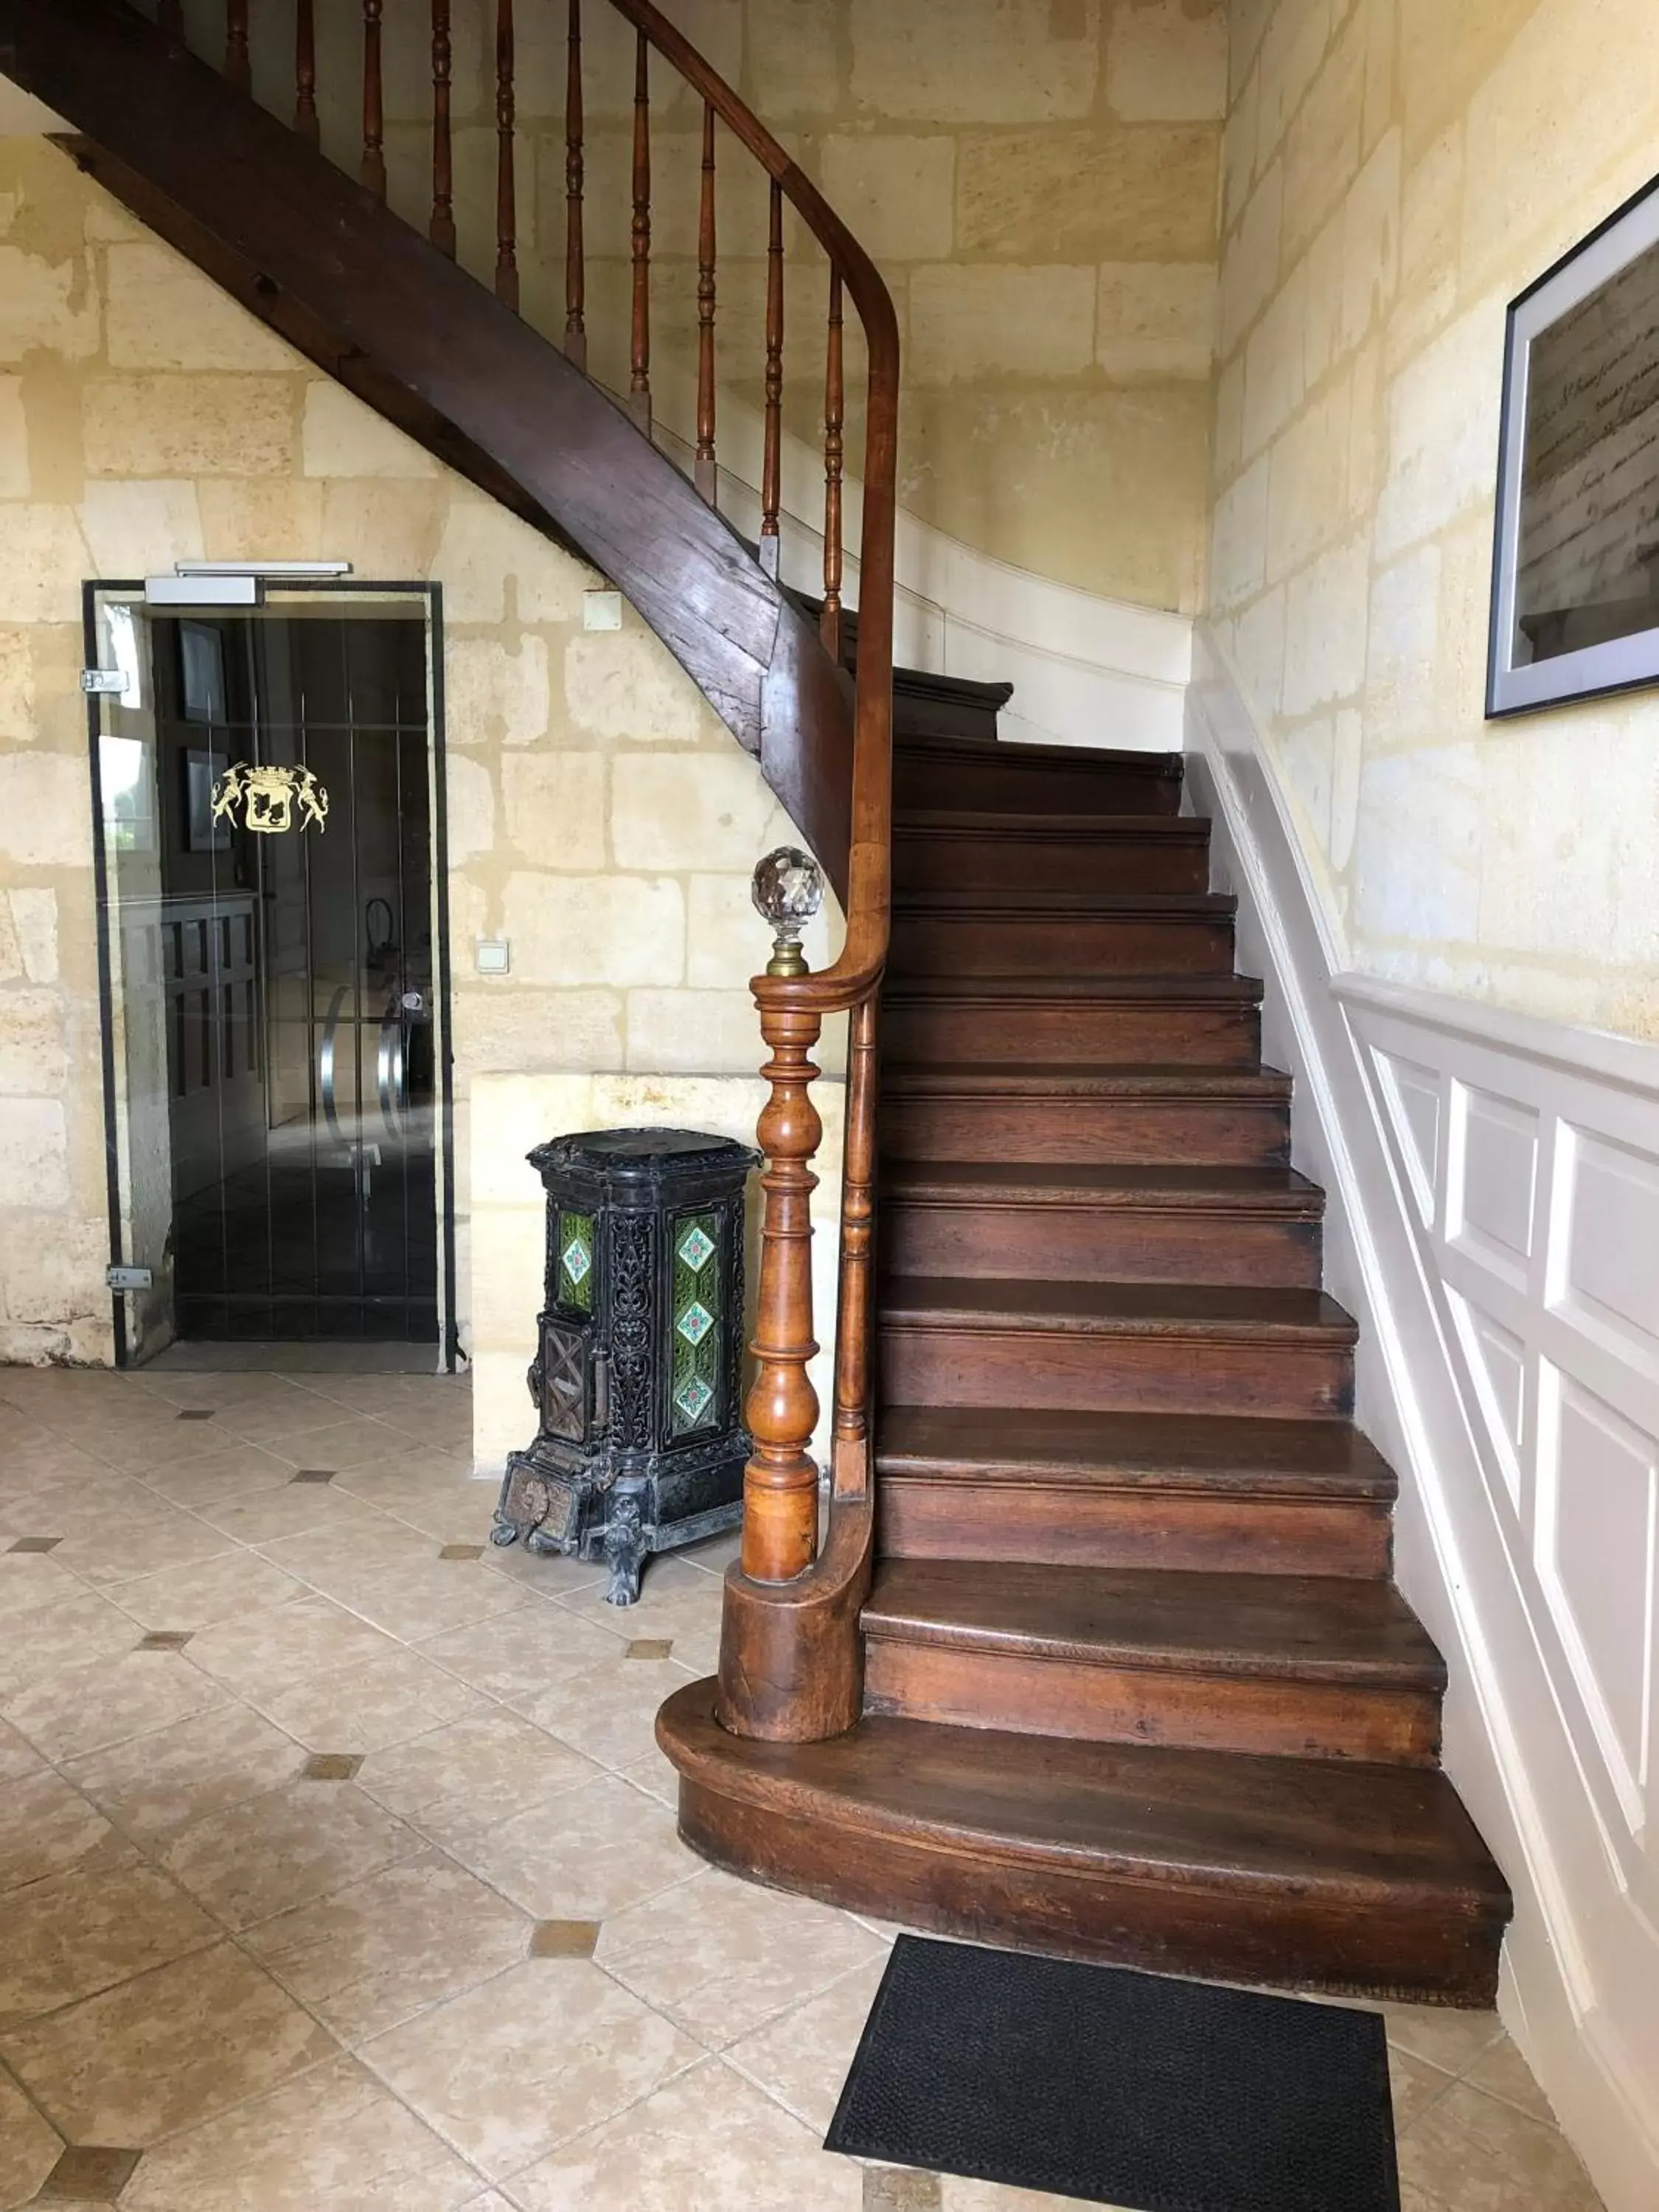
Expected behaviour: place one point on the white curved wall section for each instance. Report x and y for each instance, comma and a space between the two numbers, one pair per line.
1493, 1183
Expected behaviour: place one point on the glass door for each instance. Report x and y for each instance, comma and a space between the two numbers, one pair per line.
266, 801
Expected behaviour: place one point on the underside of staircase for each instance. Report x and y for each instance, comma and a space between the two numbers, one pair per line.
1137, 1683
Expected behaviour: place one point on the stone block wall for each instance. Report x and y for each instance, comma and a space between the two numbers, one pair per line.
1036, 180
601, 816
1395, 172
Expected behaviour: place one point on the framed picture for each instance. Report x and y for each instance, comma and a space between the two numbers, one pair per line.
1576, 562
202, 832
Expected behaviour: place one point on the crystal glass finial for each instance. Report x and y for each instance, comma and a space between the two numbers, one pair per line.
788, 890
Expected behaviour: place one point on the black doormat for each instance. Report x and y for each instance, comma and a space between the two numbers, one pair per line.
1119, 2088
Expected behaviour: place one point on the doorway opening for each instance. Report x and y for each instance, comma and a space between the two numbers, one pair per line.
269, 804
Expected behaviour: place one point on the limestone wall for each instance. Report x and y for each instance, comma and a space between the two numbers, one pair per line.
1036, 180
600, 816
1395, 172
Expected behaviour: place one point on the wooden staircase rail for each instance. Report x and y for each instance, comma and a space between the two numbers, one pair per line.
391, 315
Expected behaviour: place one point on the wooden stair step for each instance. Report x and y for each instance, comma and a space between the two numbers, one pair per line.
1313, 1874
1210, 1020
1144, 1116
1017, 777
1299, 1666
990, 932
1129, 1224
959, 847
1114, 1347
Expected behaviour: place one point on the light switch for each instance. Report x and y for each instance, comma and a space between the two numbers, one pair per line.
601, 610
492, 956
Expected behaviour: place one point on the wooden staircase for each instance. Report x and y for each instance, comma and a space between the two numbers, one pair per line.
1137, 1683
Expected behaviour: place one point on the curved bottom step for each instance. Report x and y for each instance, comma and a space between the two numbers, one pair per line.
1362, 1880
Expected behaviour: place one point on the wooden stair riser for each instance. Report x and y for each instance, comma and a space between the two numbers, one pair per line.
1209, 1711
946, 1365
947, 1517
1000, 782
1084, 1132
1006, 1033
1101, 1244
1391, 1948
1007, 859
1054, 945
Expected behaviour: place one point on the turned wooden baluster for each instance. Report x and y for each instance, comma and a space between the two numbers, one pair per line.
772, 454
575, 326
507, 188
305, 72
853, 1320
441, 230
170, 18
238, 67
702, 469
374, 168
834, 412
639, 381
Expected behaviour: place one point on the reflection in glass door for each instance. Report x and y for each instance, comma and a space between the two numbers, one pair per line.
267, 809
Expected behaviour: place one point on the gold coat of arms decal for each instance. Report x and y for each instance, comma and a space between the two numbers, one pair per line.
268, 797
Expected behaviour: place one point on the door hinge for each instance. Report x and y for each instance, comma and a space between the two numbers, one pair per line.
103, 683
129, 1279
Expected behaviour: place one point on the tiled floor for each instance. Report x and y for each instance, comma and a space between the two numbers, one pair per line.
339, 1869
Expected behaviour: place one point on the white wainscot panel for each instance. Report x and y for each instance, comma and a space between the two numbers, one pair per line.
1415, 1092
1598, 1546
1492, 1201
1611, 1271
1497, 1367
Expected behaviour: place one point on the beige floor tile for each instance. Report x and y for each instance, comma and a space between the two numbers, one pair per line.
269, 1652
132, 1444
676, 1602
655, 1774
80, 1932
332, 2141
265, 1516
1413, 2085
579, 1854
217, 1392
709, 2142
1501, 2071
382, 1702
382, 1950
28, 1581
70, 1632
1478, 2155
422, 1596
340, 1443
165, 2051
549, 1574
18, 1756
721, 1956
286, 1848
229, 1588
958, 2194
47, 1827
608, 1709
518, 1655
472, 1775
385, 1396
232, 1471
801, 2059
29, 2148
163, 1535
82, 1709
181, 1774
529, 2060
277, 1422
1451, 2040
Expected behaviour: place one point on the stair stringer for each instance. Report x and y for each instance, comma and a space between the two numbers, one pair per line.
322, 262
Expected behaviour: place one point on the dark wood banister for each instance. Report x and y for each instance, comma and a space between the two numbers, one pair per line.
399, 323
791, 1659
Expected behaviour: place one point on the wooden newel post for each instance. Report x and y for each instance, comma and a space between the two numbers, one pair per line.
780, 1482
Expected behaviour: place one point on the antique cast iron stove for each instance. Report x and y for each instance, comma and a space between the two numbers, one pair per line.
637, 1377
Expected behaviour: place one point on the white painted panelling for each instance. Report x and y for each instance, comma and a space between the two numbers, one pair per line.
1417, 1096
1492, 1200
1497, 1361
1611, 1269
1598, 1543
1509, 1367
